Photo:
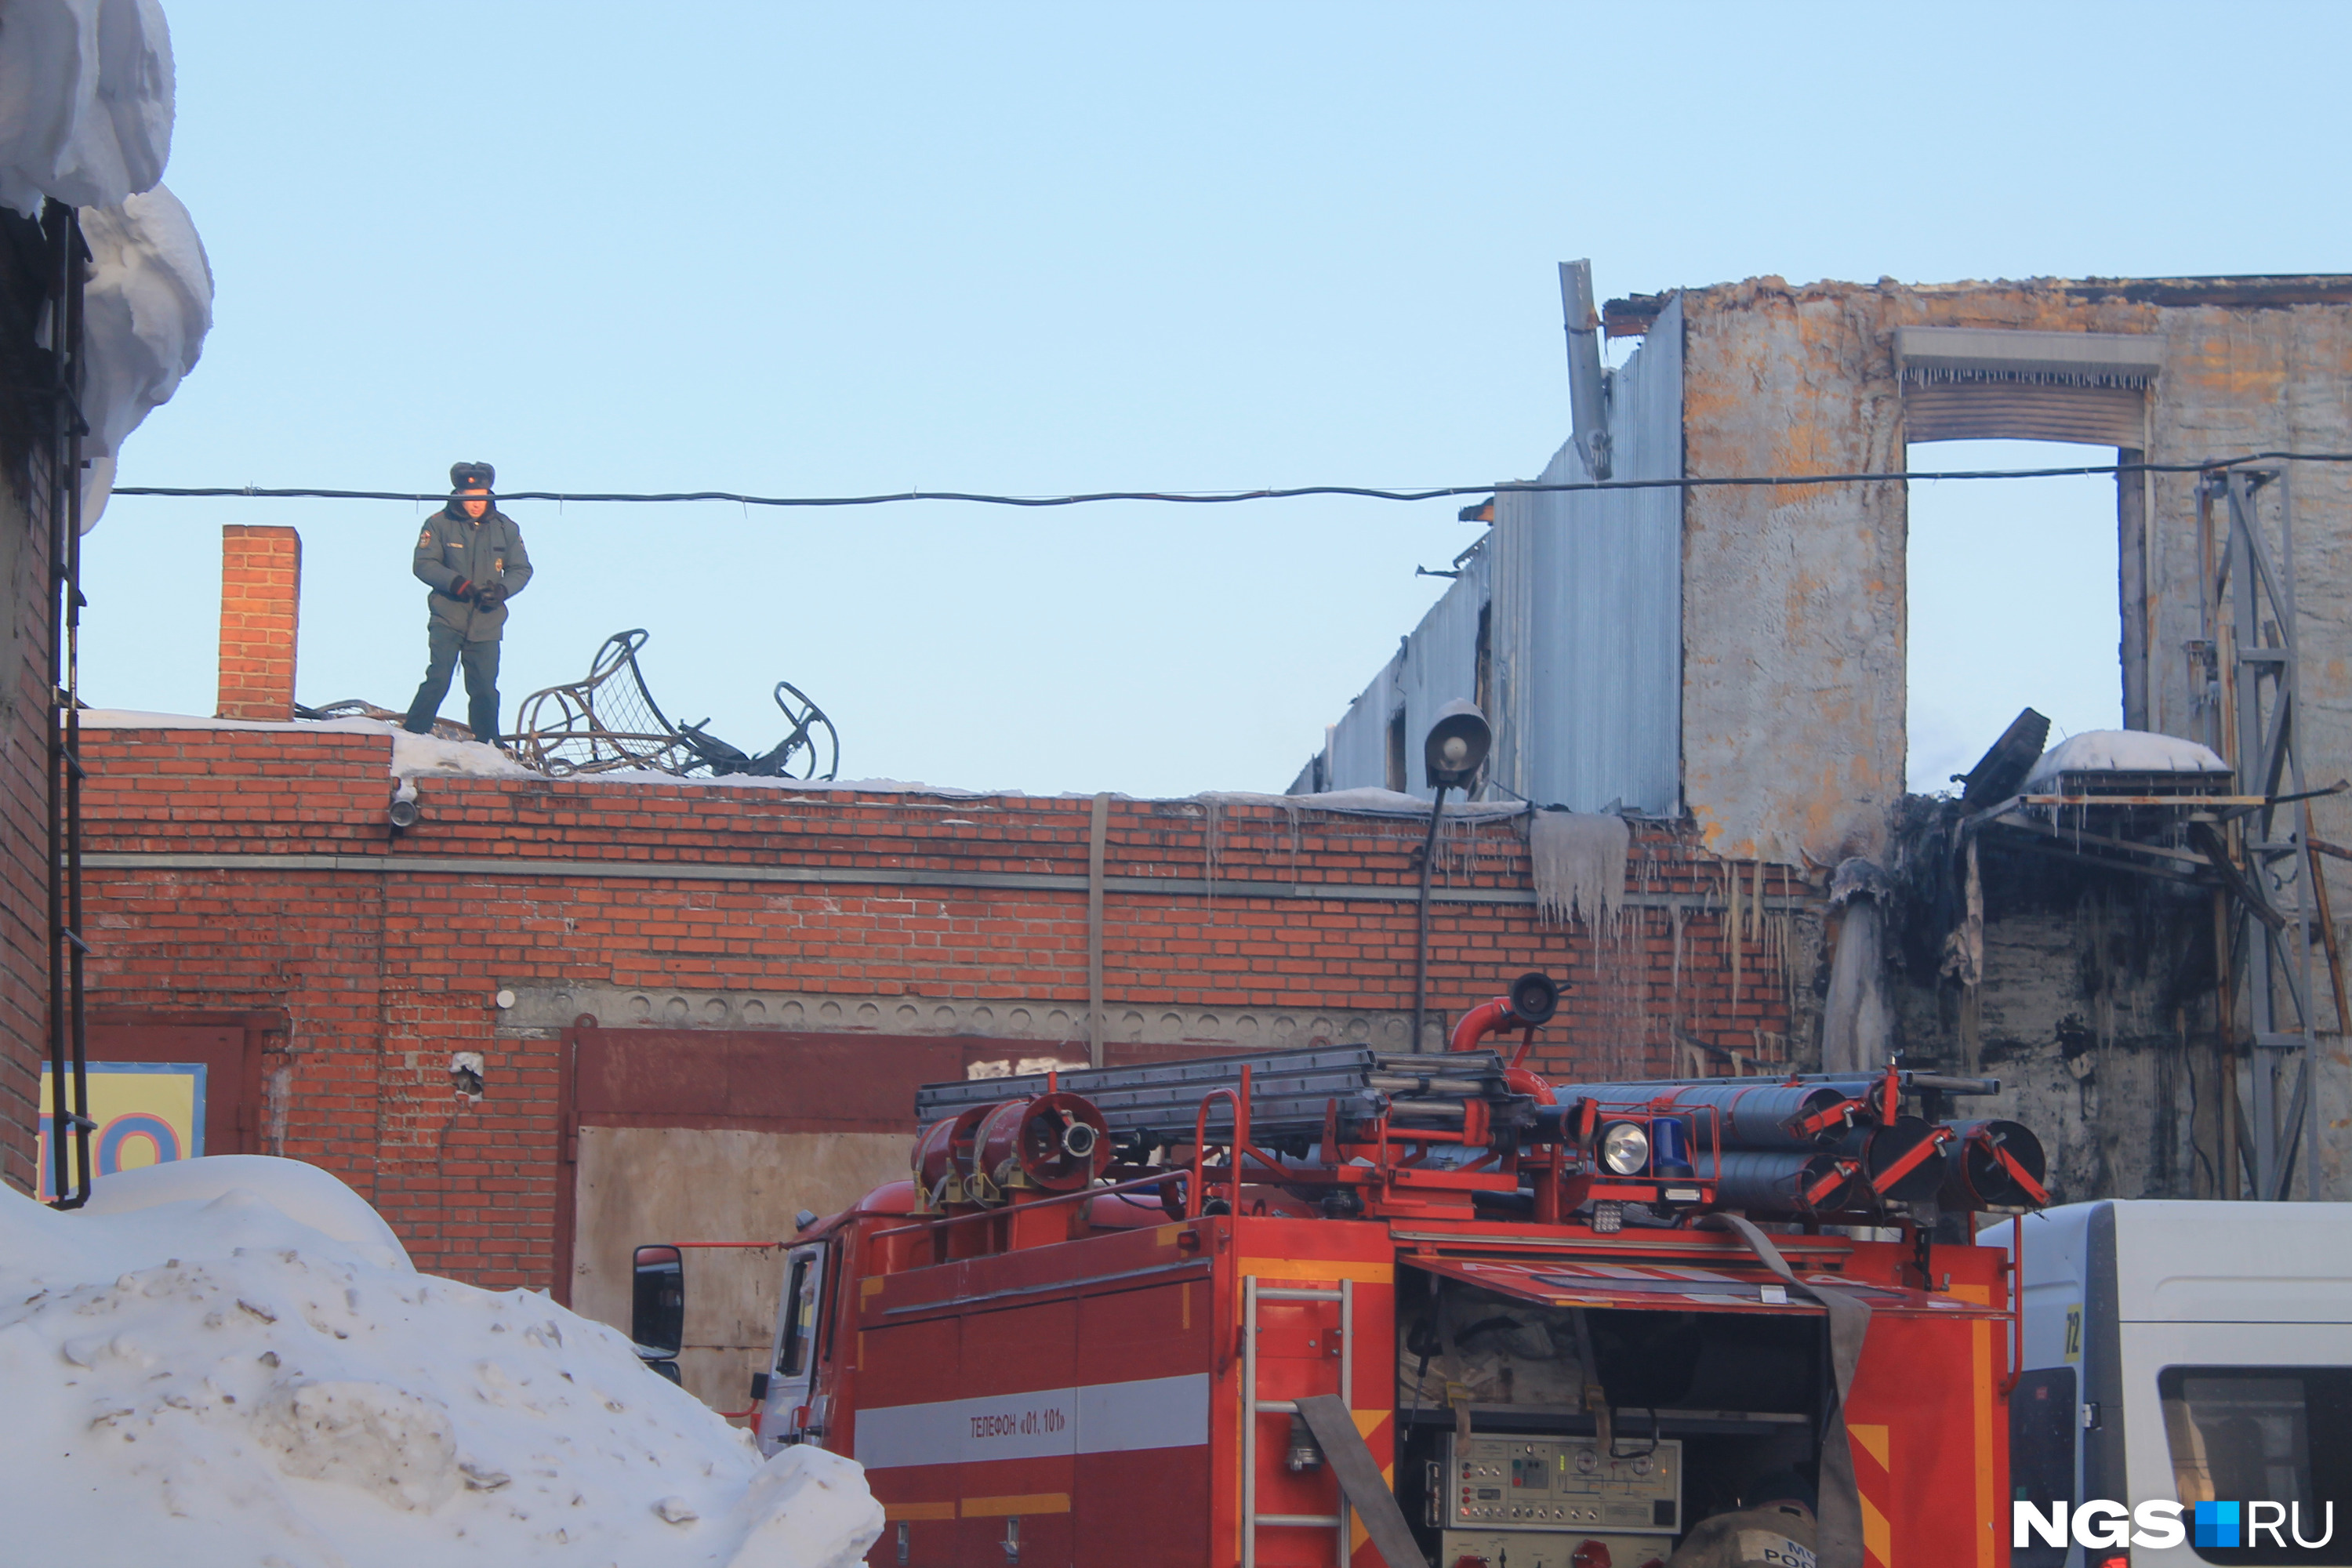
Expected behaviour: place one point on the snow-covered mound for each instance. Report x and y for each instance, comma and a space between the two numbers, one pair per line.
196, 1375
2123, 751
303, 1194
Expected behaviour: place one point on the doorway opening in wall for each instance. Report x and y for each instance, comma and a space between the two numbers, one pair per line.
2015, 602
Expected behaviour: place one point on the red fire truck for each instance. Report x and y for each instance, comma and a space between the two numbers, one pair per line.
1349, 1306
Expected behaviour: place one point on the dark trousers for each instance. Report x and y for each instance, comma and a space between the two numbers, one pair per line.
481, 683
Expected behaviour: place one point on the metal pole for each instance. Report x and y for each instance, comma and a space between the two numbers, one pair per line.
1249, 1421
1420, 946
1097, 831
1587, 390
2226, 1175
1347, 1393
60, 1117
78, 955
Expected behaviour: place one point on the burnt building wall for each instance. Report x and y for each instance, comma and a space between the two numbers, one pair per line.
1794, 639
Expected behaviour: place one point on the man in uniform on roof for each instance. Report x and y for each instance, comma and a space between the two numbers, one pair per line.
470, 554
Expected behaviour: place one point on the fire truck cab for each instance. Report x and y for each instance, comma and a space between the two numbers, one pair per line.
1347, 1305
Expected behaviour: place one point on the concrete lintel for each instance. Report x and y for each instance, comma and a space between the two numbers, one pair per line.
1022, 1022
2004, 349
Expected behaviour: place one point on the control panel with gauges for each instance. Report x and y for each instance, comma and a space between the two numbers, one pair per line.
1562, 1484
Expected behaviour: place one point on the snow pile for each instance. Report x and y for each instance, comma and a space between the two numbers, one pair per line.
429, 756
2123, 751
86, 107
147, 306
138, 719
228, 1360
85, 100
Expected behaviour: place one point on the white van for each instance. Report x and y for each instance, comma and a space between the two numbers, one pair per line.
2192, 1351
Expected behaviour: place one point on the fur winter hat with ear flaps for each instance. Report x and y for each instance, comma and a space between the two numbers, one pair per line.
463, 476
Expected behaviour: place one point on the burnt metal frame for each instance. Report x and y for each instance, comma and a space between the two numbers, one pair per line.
576, 703
68, 1021
670, 747
2249, 847
2250, 665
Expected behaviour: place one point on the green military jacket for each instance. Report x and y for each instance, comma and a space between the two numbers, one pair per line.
454, 548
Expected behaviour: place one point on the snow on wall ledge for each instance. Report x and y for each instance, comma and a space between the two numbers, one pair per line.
196, 1376
86, 107
146, 308
86, 111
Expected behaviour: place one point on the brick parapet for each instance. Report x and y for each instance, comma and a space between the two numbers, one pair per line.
385, 966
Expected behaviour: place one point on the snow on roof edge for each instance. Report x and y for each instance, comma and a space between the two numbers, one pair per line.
2125, 751
417, 757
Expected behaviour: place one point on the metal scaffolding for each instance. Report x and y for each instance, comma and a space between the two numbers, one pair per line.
2245, 835
2247, 659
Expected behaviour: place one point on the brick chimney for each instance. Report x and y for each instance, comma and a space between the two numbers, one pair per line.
261, 592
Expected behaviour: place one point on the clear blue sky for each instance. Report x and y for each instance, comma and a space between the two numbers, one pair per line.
785, 248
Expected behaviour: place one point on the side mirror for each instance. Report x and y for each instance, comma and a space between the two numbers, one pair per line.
657, 1303
758, 1388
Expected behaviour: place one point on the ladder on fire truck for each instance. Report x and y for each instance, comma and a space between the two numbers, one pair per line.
1253, 1406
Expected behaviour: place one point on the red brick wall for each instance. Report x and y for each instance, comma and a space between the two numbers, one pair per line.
261, 594
24, 826
385, 968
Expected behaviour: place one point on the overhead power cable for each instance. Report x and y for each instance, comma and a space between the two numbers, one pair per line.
1227, 497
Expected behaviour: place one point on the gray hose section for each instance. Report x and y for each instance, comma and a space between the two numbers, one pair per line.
1840, 1511
1774, 1180
1879, 1147
1334, 1426
1752, 1115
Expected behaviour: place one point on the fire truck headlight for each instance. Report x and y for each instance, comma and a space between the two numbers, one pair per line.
1625, 1148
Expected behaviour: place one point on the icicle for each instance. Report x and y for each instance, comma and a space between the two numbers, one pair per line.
1579, 862
1731, 926
1674, 992
1209, 850
1857, 1017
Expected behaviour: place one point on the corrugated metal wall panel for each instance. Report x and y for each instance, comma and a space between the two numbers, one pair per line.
2021, 411
1441, 662
1436, 664
1359, 741
1588, 610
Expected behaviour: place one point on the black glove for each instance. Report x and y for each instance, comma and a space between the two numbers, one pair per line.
462, 589
489, 596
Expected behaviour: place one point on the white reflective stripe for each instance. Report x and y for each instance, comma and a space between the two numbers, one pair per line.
1156, 1413
1100, 1418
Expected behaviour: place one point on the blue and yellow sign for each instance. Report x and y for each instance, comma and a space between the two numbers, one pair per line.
147, 1113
